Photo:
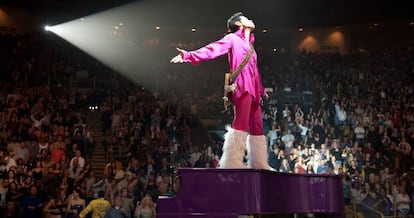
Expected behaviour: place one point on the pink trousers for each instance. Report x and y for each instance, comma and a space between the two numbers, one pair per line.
247, 115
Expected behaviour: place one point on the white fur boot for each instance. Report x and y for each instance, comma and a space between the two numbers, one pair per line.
257, 152
233, 149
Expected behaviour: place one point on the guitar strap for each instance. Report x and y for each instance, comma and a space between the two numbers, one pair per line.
241, 66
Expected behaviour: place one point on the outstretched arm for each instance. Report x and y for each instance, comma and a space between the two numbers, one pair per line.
85, 211
208, 52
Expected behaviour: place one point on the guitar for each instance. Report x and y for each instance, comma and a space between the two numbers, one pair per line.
229, 78
229, 88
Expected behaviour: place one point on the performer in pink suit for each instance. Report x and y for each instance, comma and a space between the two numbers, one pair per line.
247, 126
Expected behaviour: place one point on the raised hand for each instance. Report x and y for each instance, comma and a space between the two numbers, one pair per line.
179, 57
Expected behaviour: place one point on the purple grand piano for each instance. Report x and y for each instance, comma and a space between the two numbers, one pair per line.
233, 192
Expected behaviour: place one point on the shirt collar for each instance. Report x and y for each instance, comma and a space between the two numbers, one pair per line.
240, 33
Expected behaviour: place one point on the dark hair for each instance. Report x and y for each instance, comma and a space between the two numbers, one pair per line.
101, 194
77, 189
231, 22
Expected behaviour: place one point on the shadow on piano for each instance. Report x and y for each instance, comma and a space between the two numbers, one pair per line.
236, 192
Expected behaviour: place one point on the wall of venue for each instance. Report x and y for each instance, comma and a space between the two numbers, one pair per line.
320, 40
350, 38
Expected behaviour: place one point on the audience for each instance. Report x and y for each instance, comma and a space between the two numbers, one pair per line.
360, 125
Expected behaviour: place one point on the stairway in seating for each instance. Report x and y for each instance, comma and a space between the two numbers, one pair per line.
199, 133
97, 156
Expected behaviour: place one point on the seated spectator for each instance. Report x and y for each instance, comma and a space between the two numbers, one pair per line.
32, 204
75, 204
145, 208
56, 207
80, 159
116, 210
402, 203
11, 211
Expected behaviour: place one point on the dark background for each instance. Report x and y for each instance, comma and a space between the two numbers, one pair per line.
267, 13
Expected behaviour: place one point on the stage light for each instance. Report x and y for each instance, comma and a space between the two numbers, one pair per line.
47, 27
93, 108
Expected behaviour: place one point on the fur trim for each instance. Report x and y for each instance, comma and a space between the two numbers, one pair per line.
233, 149
257, 153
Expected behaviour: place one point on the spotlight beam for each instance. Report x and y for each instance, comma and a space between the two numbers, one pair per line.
114, 38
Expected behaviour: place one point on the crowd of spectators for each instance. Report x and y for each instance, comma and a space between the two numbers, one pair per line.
46, 146
361, 126
42, 128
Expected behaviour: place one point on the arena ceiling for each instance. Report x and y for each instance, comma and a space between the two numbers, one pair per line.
213, 13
